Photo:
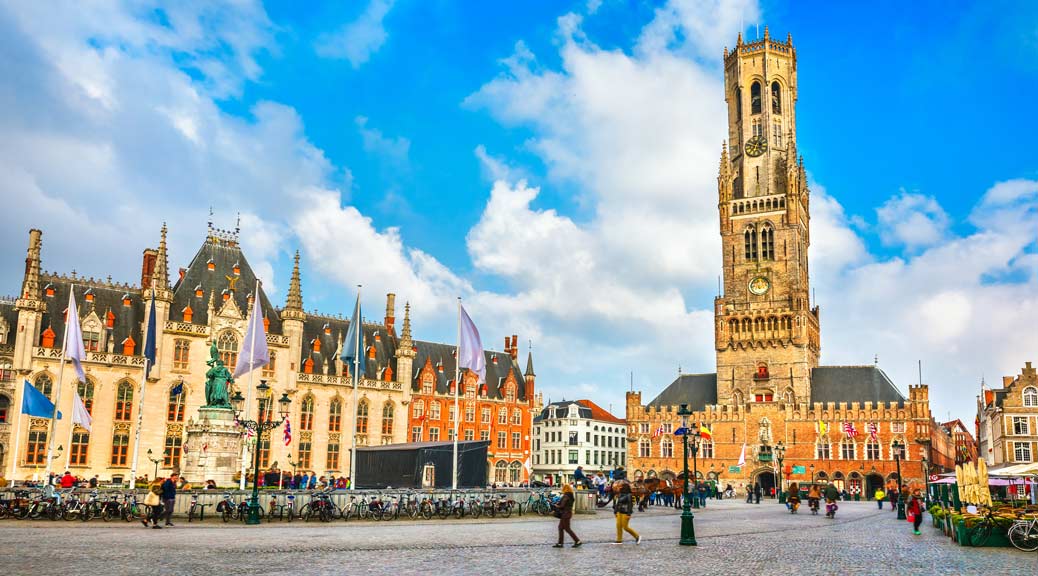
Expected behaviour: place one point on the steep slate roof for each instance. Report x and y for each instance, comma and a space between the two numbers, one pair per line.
496, 373
9, 313
584, 411
696, 390
224, 256
853, 384
128, 319
314, 328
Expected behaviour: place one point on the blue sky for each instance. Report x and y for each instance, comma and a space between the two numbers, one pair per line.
553, 163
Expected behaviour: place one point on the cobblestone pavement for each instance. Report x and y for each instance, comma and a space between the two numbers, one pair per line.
734, 538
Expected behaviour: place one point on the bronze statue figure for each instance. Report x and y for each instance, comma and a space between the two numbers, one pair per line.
217, 380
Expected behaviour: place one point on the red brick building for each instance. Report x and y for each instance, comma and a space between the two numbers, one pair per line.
964, 443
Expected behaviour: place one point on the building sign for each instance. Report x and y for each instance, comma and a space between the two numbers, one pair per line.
799, 470
733, 469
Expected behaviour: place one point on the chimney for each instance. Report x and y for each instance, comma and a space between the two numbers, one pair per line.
507, 345
514, 348
390, 311
151, 255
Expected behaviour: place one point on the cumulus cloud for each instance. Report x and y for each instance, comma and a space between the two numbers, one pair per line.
357, 40
912, 220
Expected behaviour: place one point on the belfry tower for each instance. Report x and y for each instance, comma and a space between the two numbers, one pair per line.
766, 333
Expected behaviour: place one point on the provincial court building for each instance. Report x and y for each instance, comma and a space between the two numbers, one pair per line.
837, 423
209, 301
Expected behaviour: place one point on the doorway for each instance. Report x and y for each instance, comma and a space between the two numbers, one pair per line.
766, 480
873, 482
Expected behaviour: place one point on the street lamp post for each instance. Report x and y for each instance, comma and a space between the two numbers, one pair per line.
899, 453
259, 426
926, 481
154, 461
780, 453
688, 528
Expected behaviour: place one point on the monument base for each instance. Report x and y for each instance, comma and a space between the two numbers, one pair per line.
213, 450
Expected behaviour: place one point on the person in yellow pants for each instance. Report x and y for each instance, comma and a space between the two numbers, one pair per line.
623, 507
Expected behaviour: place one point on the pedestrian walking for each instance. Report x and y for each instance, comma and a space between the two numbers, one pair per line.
169, 496
879, 496
831, 494
915, 511
749, 493
564, 512
153, 500
757, 491
623, 507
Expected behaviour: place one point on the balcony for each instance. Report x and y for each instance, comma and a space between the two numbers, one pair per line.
764, 457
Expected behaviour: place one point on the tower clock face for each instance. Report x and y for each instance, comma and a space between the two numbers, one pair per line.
759, 285
756, 146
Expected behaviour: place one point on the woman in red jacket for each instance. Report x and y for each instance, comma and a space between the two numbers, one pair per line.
915, 510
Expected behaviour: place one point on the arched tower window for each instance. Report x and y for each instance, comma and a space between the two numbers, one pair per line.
750, 242
227, 345
387, 417
737, 189
776, 98
306, 414
755, 96
124, 401
738, 103
335, 415
362, 417
767, 242
45, 385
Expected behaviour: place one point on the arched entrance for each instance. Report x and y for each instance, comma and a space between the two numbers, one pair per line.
873, 482
766, 479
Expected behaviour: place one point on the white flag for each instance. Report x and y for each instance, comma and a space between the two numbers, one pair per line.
79, 413
254, 353
742, 455
470, 349
528, 464
74, 341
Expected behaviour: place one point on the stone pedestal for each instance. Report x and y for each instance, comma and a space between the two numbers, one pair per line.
213, 448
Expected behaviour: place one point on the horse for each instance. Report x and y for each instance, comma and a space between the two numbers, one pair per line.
642, 489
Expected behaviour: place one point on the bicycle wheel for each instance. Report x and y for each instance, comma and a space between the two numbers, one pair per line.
490, 510
69, 514
443, 511
426, 510
326, 514
190, 514
227, 513
53, 512
3, 511
541, 507
1024, 537
106, 514
505, 510
979, 534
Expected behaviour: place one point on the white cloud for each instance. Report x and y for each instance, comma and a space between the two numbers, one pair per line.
912, 220
394, 150
359, 39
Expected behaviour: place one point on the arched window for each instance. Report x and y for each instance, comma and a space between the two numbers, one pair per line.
124, 401
776, 98
1031, 397
738, 103
44, 384
502, 416
514, 472
86, 393
755, 96
501, 471
5, 408
737, 190
767, 242
847, 449
362, 417
666, 448
306, 414
387, 418
517, 416
750, 242
434, 410
227, 346
175, 406
419, 409
335, 415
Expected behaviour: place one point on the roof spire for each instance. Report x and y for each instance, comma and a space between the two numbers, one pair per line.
294, 301
529, 364
405, 333
31, 282
160, 276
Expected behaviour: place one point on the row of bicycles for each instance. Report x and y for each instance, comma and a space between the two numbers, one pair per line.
384, 507
65, 505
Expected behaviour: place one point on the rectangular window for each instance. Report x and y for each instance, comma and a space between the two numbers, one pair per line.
181, 353
644, 427
450, 434
502, 416
175, 408
847, 450
502, 440
304, 455
668, 428
451, 415
587, 457
36, 450
271, 367
434, 434
469, 434
758, 128
470, 413
822, 452
708, 449
333, 456
485, 416
120, 445
516, 440
416, 434
587, 437
1020, 427
573, 456
80, 443
91, 341
484, 435
776, 135
595, 458
897, 427
574, 438
1022, 452
872, 451
171, 454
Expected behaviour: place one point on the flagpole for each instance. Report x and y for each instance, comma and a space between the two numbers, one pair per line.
356, 377
140, 404
457, 385
61, 381
71, 428
248, 393
17, 438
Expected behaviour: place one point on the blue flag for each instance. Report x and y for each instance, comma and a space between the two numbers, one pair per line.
149, 339
353, 347
35, 403
178, 389
681, 431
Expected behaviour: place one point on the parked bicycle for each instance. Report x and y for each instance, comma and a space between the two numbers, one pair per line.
1024, 534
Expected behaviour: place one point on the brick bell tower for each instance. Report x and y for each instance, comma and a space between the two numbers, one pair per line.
766, 333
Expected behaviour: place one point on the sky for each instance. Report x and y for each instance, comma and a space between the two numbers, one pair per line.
552, 163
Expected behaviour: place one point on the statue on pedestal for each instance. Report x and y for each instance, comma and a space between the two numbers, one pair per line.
217, 379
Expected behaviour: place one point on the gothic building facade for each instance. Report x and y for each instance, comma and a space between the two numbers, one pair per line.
209, 302
837, 423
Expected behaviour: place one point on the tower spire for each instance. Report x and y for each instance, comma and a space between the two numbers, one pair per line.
405, 332
529, 364
31, 281
294, 301
160, 277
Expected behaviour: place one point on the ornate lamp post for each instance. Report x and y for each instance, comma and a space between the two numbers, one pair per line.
259, 427
812, 473
154, 461
899, 453
688, 528
780, 453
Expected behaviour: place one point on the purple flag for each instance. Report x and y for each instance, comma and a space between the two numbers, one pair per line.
470, 349
254, 353
74, 337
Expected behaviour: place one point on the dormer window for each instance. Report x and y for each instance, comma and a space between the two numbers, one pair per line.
210, 265
49, 290
89, 295
316, 344
47, 340
308, 366
236, 269
327, 328
128, 346
109, 319
266, 324
226, 294
198, 291
126, 300
188, 313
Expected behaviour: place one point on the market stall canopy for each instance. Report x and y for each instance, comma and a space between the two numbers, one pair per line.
1018, 470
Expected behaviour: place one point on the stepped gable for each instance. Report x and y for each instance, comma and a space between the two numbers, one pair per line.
496, 373
696, 390
224, 254
314, 328
127, 320
853, 384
